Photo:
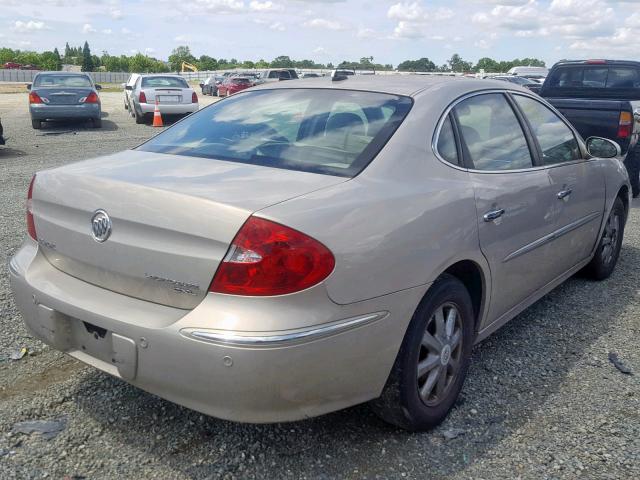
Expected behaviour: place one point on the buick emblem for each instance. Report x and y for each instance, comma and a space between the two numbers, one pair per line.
100, 226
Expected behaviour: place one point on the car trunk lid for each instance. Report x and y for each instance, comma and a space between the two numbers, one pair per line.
63, 96
172, 218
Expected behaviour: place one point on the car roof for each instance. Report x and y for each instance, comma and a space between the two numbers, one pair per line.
406, 85
148, 75
596, 62
79, 74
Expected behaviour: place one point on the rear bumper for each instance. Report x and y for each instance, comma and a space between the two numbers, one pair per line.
46, 112
168, 109
184, 356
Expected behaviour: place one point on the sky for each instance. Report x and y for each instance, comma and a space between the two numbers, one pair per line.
329, 30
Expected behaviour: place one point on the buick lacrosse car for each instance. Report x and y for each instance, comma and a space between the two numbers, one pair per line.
306, 246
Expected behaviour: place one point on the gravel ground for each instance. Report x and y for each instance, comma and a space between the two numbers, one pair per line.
542, 399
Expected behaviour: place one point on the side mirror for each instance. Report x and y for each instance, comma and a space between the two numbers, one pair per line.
98, 86
201, 85
128, 87
28, 86
603, 147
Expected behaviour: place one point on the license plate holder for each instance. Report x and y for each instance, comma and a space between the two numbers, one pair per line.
168, 98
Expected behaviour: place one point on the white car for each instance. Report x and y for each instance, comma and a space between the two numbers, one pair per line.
172, 93
128, 87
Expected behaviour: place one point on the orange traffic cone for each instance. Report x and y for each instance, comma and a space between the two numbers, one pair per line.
157, 118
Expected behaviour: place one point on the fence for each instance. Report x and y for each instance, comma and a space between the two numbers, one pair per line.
26, 76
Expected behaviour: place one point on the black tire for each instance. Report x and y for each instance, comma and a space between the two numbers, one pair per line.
37, 124
96, 122
604, 261
140, 118
126, 106
632, 162
401, 404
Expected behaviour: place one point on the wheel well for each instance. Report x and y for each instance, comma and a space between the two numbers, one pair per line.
623, 195
470, 274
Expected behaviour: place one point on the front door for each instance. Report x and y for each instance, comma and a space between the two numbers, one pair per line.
578, 185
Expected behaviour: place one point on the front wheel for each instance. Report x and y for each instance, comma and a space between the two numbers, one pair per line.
606, 257
432, 364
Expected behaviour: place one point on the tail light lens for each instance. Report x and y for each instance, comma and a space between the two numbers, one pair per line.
194, 98
31, 226
91, 98
625, 125
142, 98
266, 258
35, 98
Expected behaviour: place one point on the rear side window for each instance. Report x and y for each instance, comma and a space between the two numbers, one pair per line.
556, 140
447, 143
164, 82
333, 132
491, 134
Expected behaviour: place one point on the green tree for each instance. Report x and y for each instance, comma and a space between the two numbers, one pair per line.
421, 65
87, 60
205, 62
283, 61
178, 55
56, 53
457, 64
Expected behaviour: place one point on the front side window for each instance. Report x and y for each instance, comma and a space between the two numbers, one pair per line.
333, 132
556, 140
491, 134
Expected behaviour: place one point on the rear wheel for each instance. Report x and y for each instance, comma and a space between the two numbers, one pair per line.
608, 251
433, 360
126, 106
140, 119
37, 124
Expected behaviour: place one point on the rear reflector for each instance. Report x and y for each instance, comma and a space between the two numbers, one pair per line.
625, 125
31, 226
266, 258
142, 98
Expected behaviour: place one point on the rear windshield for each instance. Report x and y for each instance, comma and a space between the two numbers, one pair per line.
334, 132
57, 80
240, 80
163, 82
601, 81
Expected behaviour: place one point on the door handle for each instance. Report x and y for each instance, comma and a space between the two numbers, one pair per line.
564, 194
493, 214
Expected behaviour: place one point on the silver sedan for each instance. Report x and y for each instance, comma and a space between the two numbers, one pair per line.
297, 249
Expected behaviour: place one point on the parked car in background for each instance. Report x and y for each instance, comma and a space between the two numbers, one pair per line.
172, 93
210, 85
64, 96
277, 74
601, 98
232, 85
522, 81
128, 88
2, 141
310, 75
529, 71
230, 264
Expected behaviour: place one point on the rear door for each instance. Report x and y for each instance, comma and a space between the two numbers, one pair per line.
579, 185
514, 199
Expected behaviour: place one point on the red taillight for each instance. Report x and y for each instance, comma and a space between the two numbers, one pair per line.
266, 258
34, 98
194, 98
92, 98
625, 125
31, 226
142, 98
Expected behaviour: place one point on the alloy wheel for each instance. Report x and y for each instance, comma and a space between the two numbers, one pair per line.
440, 355
610, 237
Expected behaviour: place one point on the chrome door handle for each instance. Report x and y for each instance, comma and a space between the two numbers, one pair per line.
493, 214
564, 194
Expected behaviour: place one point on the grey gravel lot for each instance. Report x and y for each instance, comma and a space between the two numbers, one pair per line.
542, 399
